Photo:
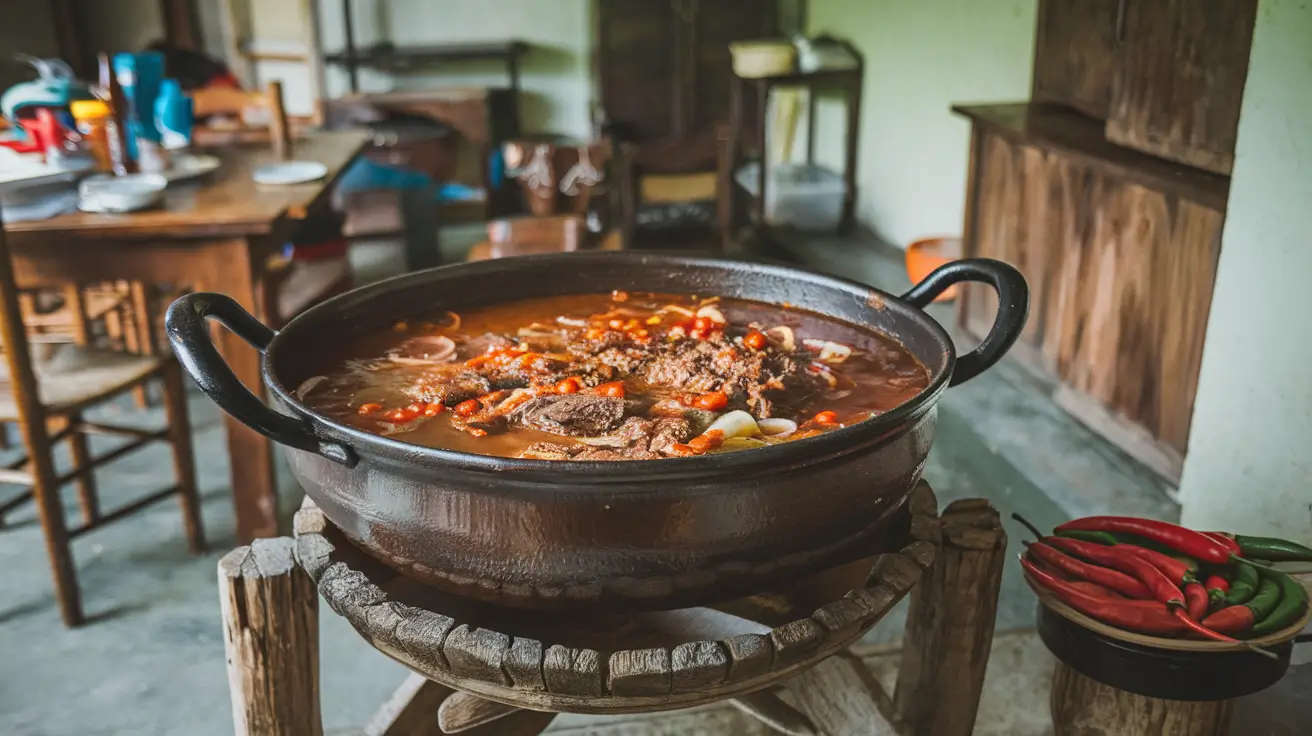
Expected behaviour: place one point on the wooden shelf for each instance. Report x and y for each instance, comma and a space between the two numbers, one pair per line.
392, 57
1059, 128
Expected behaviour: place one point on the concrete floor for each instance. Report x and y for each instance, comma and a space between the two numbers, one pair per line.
151, 661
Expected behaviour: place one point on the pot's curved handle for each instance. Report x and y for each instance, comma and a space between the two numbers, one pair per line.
190, 337
1013, 307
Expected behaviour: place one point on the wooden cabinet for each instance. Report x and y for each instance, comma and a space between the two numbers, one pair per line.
1166, 75
1121, 254
1180, 79
1075, 58
664, 71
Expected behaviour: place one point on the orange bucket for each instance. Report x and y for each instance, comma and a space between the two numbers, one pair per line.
927, 254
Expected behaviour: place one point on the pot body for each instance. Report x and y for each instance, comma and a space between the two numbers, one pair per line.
600, 535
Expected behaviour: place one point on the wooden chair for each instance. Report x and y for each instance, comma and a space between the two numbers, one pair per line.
238, 116
46, 398
521, 236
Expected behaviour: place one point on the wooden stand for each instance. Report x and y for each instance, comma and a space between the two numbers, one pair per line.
476, 678
1081, 705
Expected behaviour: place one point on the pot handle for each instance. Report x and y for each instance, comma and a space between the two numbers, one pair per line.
1013, 306
189, 335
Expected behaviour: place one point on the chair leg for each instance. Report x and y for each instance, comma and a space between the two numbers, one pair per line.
143, 327
87, 497
50, 511
184, 465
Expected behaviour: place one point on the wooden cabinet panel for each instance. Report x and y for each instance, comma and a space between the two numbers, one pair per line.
718, 23
1122, 280
638, 66
1075, 54
1180, 80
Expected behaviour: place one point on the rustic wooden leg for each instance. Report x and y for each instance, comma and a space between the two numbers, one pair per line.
1085, 707
770, 709
271, 635
142, 325
254, 488
950, 625
184, 465
87, 497
412, 709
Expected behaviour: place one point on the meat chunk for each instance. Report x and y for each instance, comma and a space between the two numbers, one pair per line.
572, 414
746, 376
553, 451
657, 434
444, 387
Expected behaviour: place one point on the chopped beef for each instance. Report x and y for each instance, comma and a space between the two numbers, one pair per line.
698, 419
550, 451
655, 435
447, 387
572, 414
746, 376
553, 451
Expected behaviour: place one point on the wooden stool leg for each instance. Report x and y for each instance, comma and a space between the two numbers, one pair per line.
271, 635
950, 624
184, 465
1083, 706
45, 491
87, 497
142, 325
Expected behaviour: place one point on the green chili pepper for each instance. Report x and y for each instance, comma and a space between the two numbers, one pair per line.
1271, 548
1293, 598
1243, 586
1268, 596
1095, 537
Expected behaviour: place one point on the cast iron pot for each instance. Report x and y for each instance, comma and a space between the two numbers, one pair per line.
600, 535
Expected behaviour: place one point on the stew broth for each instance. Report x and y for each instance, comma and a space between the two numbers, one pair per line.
615, 377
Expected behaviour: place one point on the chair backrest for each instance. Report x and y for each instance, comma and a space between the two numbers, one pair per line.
239, 112
525, 235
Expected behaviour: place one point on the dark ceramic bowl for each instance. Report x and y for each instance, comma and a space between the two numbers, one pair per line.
600, 535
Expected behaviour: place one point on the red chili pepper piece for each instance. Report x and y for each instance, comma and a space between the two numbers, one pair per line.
1196, 600
615, 389
468, 408
1117, 581
1231, 620
1084, 585
1230, 543
1117, 558
1144, 617
1216, 583
1178, 538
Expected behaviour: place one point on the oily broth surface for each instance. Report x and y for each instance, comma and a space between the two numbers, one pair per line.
882, 373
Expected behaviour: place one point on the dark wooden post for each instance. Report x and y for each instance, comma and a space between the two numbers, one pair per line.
271, 635
1082, 705
950, 625
280, 130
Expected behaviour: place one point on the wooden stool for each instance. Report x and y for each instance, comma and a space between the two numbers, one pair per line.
503, 671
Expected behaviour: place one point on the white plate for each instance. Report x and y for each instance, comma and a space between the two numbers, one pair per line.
108, 194
190, 166
290, 172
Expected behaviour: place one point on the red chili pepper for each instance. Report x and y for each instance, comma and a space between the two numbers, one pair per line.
1231, 620
1117, 581
1145, 617
1178, 538
1196, 600
1177, 571
755, 340
714, 401
1230, 543
826, 417
1084, 585
468, 408
1217, 587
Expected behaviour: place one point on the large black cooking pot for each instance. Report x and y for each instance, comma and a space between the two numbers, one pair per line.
600, 535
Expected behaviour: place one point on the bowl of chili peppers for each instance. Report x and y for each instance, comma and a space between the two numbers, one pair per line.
1163, 585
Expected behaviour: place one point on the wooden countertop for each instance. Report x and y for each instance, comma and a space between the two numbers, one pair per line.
227, 202
1058, 128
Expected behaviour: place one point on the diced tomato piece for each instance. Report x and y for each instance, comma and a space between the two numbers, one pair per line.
433, 410
614, 389
468, 408
705, 324
755, 340
714, 401
826, 417
367, 409
568, 386
679, 448
697, 334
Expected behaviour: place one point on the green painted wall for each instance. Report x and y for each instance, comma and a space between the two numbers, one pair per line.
921, 57
1249, 466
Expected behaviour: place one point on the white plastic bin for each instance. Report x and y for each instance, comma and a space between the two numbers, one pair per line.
803, 196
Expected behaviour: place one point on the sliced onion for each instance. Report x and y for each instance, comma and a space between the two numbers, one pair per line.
783, 335
571, 322
777, 427
604, 441
712, 313
830, 352
677, 308
454, 319
424, 351
823, 371
308, 385
736, 423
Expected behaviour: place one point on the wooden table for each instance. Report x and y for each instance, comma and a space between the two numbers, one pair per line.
215, 235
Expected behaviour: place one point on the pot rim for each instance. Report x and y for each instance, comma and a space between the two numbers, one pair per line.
797, 453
